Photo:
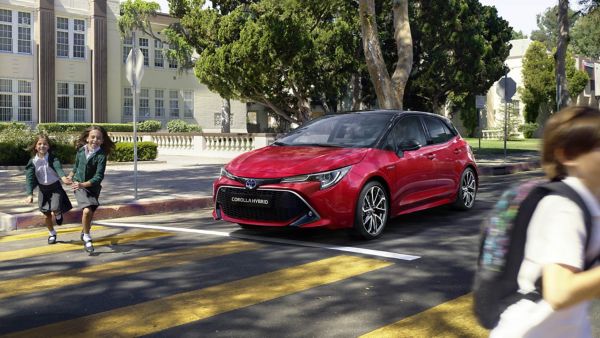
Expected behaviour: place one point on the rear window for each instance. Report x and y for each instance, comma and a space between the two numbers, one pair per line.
438, 130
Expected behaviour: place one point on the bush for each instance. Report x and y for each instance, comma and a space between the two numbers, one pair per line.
13, 147
528, 129
60, 127
123, 152
13, 126
12, 153
180, 126
149, 126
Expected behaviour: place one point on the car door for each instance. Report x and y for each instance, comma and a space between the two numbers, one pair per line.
412, 169
444, 152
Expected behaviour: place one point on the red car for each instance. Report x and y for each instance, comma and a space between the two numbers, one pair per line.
352, 170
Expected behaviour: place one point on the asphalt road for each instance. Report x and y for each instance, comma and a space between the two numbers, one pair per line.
186, 275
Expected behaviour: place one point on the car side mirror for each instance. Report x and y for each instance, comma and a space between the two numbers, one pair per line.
408, 145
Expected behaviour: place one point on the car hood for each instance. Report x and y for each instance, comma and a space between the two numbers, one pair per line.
285, 161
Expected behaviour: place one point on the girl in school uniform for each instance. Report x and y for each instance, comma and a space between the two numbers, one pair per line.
88, 172
45, 172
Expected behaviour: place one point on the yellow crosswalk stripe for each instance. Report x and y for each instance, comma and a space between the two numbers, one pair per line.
53, 280
39, 234
161, 314
452, 319
77, 245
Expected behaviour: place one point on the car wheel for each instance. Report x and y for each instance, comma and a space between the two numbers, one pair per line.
372, 211
467, 189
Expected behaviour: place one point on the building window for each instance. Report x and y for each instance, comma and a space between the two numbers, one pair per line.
15, 24
159, 60
127, 103
79, 39
15, 100
62, 37
71, 101
174, 103
159, 103
144, 103
70, 38
188, 104
145, 51
127, 46
217, 119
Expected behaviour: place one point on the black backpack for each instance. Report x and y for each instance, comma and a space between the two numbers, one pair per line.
502, 247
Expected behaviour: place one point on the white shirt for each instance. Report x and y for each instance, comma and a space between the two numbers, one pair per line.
556, 234
43, 172
89, 153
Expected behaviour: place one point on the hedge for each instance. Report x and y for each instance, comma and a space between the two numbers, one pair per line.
14, 153
62, 127
13, 125
123, 152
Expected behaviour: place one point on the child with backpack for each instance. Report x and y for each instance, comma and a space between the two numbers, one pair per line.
538, 266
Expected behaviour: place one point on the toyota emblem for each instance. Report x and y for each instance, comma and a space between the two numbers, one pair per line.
250, 183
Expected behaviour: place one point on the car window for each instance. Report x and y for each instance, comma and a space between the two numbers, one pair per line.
438, 131
410, 128
343, 130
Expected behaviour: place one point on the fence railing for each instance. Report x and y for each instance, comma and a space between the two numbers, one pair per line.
200, 144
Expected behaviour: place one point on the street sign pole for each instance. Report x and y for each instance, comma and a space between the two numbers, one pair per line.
134, 72
505, 114
480, 105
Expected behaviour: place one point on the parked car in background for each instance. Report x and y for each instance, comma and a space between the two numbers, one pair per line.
352, 170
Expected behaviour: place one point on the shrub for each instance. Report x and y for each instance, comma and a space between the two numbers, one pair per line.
123, 152
51, 128
194, 128
177, 126
13, 126
149, 126
528, 129
12, 153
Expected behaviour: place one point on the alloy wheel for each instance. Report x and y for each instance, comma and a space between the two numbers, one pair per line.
468, 188
374, 210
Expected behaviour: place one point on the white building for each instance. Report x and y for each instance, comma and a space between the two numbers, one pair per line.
64, 61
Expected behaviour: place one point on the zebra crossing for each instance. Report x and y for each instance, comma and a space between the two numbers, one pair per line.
123, 297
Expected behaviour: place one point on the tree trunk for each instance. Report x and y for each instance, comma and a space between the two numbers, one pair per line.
356, 92
226, 116
562, 94
386, 95
404, 45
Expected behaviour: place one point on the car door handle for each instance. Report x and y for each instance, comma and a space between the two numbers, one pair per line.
430, 156
457, 151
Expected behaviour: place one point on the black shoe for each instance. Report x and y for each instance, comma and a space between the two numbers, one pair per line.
52, 239
81, 237
58, 218
88, 247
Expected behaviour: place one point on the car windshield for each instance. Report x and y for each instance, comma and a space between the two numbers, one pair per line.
344, 130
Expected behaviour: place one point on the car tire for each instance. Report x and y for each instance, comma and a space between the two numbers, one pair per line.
467, 190
372, 211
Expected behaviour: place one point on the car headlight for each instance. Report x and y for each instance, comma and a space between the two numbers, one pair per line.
225, 173
327, 178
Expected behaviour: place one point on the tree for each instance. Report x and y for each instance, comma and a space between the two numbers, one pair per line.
518, 35
459, 50
389, 90
547, 24
562, 94
539, 82
585, 35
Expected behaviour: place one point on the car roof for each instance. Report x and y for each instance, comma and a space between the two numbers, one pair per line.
395, 112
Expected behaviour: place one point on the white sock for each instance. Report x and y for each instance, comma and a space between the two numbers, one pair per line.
52, 232
87, 237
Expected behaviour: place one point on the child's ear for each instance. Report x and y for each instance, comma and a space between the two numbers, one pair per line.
561, 157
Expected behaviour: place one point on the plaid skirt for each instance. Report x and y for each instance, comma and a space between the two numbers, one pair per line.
52, 197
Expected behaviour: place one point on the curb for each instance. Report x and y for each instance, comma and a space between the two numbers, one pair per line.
35, 219
507, 169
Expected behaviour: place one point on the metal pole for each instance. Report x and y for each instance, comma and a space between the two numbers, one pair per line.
135, 86
505, 114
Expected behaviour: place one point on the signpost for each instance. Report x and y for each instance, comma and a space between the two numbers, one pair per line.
134, 71
479, 104
507, 87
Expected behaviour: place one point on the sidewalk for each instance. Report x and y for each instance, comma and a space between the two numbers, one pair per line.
167, 184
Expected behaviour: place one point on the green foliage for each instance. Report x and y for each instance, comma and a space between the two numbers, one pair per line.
149, 126
13, 153
585, 35
467, 112
459, 48
180, 126
123, 152
14, 144
539, 81
13, 126
61, 127
547, 22
528, 129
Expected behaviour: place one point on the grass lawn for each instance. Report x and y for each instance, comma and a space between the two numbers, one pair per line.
493, 146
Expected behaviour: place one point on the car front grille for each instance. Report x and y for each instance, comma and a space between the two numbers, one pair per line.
261, 204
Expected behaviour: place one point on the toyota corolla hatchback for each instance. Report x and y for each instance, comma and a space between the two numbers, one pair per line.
352, 170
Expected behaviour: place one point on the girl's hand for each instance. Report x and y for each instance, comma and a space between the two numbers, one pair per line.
29, 199
67, 180
76, 185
